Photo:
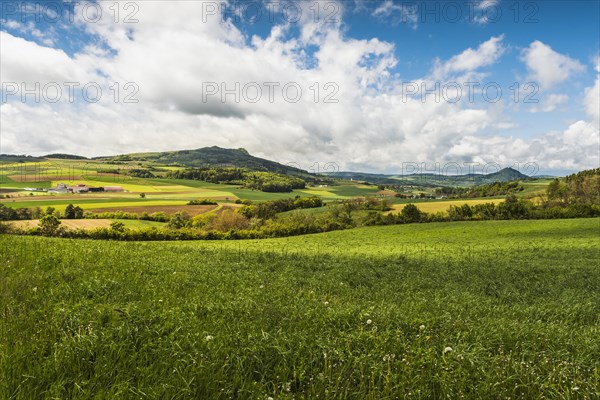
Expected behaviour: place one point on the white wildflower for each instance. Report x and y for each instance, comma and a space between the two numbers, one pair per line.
447, 350
208, 338
369, 322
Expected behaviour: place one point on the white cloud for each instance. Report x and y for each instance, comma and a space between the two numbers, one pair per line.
574, 148
471, 59
400, 13
548, 67
22, 61
592, 98
30, 28
170, 55
551, 102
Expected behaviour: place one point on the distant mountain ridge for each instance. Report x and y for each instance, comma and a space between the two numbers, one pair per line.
428, 179
221, 157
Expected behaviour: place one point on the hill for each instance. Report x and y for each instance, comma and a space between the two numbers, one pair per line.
434, 180
210, 157
62, 156
13, 158
505, 175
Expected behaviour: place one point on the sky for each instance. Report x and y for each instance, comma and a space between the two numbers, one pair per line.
360, 85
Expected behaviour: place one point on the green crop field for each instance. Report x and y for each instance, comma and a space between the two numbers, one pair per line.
476, 310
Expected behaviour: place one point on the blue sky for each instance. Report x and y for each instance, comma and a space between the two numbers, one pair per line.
167, 55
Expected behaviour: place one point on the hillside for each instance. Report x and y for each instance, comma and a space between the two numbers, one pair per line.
210, 157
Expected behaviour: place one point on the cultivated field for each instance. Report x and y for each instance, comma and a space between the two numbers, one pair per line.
90, 223
476, 310
443, 205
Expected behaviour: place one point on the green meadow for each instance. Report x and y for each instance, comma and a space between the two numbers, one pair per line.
474, 310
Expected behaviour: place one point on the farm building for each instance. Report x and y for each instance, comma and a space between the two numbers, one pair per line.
79, 188
61, 188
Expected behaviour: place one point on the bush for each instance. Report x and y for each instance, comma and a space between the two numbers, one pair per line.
117, 226
179, 220
202, 202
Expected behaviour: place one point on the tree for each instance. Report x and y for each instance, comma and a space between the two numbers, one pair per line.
557, 192
410, 213
513, 208
78, 212
70, 212
49, 225
73, 212
143, 195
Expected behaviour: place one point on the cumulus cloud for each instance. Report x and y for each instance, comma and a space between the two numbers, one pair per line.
574, 148
171, 57
28, 62
548, 67
592, 98
471, 59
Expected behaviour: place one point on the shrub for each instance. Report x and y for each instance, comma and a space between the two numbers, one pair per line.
202, 202
117, 226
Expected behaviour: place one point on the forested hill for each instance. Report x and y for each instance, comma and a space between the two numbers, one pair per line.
211, 157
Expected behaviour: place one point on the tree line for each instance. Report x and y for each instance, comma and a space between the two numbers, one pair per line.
257, 180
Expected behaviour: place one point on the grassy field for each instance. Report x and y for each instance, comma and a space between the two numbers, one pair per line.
476, 310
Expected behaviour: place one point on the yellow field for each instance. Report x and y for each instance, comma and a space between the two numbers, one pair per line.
436, 206
69, 223
88, 223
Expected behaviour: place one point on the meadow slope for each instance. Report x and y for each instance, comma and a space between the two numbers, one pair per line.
495, 310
